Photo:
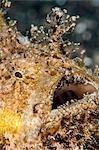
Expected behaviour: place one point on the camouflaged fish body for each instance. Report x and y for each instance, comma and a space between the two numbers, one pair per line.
47, 100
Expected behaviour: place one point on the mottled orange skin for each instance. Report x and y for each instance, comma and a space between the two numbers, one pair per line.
28, 99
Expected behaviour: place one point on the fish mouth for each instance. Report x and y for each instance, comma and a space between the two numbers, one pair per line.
67, 93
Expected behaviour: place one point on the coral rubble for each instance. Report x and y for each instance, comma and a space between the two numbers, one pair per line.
48, 101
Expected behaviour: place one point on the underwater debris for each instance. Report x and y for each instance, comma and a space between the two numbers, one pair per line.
52, 98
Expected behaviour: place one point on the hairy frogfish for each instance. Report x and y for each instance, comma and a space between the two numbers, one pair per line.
48, 98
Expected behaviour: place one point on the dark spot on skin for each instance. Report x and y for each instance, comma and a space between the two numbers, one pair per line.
13, 68
52, 148
79, 136
18, 74
58, 138
24, 55
34, 108
7, 77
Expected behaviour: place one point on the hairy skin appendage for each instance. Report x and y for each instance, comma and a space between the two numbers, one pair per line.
48, 100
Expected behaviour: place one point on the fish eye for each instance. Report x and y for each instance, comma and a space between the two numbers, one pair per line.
18, 74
